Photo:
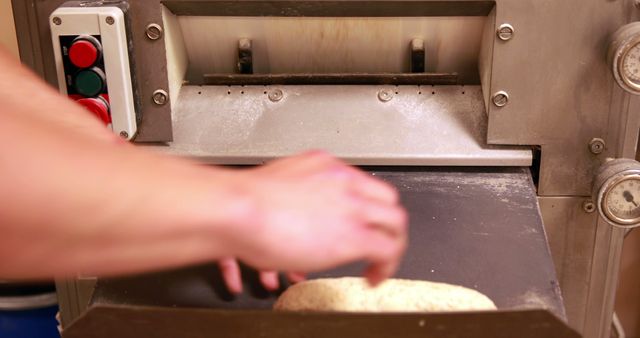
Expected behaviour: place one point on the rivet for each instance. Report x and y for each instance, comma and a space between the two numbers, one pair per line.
385, 95
275, 95
110, 20
596, 146
588, 206
57, 21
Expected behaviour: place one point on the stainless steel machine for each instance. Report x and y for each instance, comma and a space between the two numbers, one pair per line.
509, 126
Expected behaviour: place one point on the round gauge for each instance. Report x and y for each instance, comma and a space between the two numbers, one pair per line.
631, 65
621, 200
624, 57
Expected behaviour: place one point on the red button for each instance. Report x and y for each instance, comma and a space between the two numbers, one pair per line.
83, 54
99, 107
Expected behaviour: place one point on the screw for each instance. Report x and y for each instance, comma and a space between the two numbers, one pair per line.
160, 97
57, 21
154, 31
588, 206
596, 146
505, 32
385, 95
110, 20
501, 98
276, 95
124, 134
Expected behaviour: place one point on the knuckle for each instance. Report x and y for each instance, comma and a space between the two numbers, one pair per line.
392, 192
403, 218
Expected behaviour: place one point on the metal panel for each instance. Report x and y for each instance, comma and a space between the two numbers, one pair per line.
73, 298
420, 125
560, 86
603, 280
571, 233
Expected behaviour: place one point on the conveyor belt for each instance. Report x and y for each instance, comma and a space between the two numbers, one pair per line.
479, 228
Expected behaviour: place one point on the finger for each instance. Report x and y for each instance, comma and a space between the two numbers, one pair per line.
391, 219
231, 274
296, 277
269, 280
384, 254
374, 189
376, 273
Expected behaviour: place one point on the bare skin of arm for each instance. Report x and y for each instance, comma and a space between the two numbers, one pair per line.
74, 199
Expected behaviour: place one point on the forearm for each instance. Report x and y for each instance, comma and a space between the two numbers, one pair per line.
70, 203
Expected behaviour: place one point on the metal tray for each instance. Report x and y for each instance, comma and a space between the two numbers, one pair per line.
476, 227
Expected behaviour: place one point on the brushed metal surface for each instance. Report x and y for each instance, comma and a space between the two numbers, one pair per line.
420, 125
562, 92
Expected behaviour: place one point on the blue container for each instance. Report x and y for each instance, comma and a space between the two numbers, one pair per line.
28, 311
36, 323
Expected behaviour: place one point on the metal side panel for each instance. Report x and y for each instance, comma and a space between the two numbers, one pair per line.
418, 125
480, 228
572, 240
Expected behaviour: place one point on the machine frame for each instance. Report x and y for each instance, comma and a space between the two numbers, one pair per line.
561, 97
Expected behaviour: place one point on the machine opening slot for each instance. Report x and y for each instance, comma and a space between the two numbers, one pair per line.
329, 79
365, 47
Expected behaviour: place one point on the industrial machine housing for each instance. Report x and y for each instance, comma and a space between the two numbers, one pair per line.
504, 92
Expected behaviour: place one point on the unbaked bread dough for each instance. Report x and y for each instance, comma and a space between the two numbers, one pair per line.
353, 294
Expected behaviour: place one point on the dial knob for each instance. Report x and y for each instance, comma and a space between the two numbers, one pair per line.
624, 57
84, 52
617, 192
98, 106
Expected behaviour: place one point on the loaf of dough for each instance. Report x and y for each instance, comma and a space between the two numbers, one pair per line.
352, 294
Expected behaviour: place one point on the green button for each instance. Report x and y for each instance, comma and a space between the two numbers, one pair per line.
90, 82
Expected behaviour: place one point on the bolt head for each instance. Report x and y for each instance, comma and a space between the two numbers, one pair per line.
110, 20
385, 95
57, 21
500, 99
588, 206
275, 95
124, 134
160, 97
154, 31
505, 32
596, 146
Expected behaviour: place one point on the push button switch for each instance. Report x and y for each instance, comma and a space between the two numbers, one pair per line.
84, 52
98, 106
90, 82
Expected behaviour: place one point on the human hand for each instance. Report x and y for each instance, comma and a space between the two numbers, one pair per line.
232, 277
313, 212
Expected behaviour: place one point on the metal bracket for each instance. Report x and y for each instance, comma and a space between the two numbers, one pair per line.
417, 61
245, 56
